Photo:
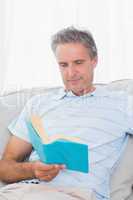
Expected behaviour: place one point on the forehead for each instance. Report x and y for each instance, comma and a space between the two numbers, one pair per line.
71, 50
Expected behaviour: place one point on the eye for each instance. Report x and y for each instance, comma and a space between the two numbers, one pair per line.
63, 64
78, 62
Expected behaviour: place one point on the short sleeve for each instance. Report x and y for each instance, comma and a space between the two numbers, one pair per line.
18, 126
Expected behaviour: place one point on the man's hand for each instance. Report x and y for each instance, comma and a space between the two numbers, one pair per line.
13, 169
46, 172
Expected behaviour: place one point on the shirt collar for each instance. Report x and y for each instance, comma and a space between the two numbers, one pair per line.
100, 91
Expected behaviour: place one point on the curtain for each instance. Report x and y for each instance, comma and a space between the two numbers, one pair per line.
4, 39
27, 26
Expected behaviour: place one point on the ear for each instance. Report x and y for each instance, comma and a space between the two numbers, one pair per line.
94, 61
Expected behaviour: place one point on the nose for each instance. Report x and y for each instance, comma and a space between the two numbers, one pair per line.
71, 70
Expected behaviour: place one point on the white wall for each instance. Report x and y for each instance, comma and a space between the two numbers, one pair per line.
29, 24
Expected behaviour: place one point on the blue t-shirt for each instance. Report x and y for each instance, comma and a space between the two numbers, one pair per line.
100, 119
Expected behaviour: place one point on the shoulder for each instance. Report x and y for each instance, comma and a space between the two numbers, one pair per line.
119, 98
104, 91
49, 95
118, 95
114, 97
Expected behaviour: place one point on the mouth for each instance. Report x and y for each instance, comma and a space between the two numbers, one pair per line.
77, 79
74, 81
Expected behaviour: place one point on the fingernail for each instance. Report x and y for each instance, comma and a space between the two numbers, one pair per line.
64, 166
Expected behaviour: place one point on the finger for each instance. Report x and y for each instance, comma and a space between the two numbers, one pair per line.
45, 167
42, 173
53, 171
48, 172
62, 166
48, 177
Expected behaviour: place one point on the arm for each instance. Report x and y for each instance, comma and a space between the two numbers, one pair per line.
13, 169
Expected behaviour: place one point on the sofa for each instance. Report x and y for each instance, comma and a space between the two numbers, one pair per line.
11, 104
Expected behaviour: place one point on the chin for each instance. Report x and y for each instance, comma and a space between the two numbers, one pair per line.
75, 90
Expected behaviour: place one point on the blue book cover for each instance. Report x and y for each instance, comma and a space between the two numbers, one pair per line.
73, 154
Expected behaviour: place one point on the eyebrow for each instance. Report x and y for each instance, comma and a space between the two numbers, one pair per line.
64, 62
79, 60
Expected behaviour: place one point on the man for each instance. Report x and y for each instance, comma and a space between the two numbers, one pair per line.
81, 109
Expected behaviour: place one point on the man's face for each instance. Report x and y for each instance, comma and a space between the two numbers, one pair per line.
76, 67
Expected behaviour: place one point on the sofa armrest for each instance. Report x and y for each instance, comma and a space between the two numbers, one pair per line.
122, 177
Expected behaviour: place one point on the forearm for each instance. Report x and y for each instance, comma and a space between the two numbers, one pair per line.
12, 171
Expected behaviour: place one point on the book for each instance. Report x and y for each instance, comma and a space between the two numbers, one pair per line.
58, 149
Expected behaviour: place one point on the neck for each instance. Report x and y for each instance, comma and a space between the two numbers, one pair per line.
84, 91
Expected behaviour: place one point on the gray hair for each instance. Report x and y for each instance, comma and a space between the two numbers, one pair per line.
73, 35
